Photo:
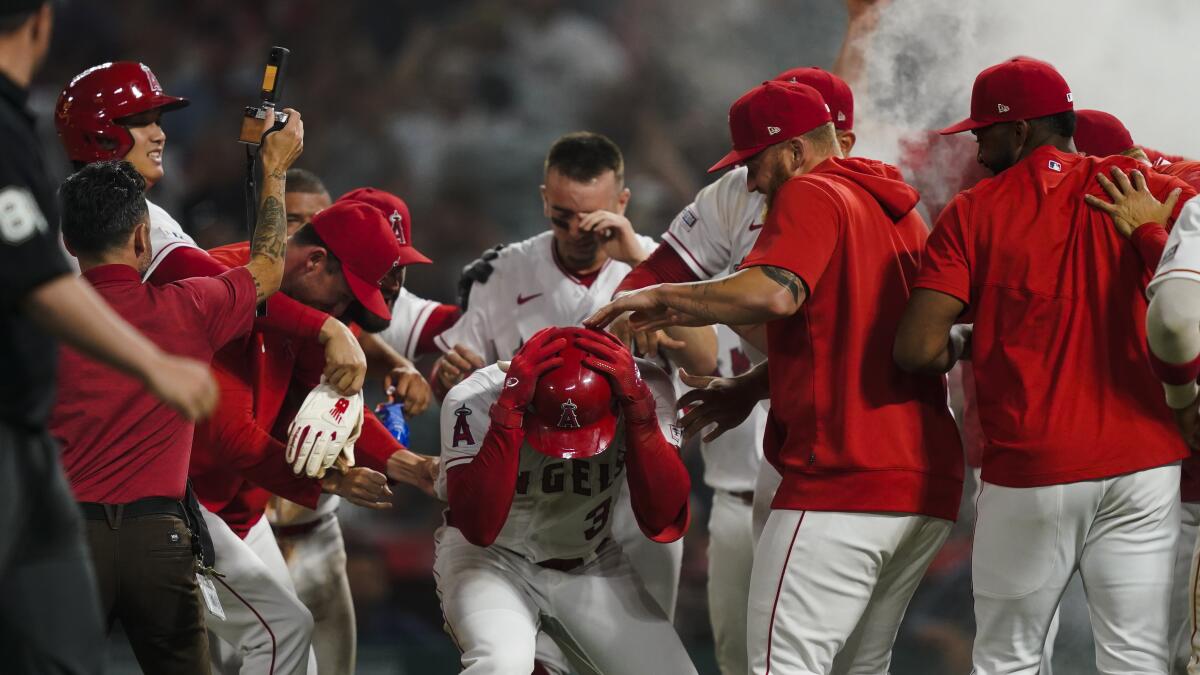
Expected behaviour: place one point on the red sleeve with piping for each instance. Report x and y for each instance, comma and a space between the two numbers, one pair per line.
664, 266
233, 433
442, 317
481, 491
659, 484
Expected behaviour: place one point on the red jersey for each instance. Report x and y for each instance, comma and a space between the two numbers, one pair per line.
235, 451
119, 442
1059, 346
849, 430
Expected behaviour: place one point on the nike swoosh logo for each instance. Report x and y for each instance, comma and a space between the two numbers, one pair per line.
756, 227
522, 299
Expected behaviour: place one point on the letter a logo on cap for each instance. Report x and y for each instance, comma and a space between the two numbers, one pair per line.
771, 131
1002, 108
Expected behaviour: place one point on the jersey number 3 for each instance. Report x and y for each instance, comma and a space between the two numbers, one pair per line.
599, 518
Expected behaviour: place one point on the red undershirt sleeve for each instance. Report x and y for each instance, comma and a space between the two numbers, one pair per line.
1150, 240
375, 445
664, 266
481, 491
659, 484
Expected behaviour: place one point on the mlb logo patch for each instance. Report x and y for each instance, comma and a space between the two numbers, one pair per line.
1070, 98
688, 217
676, 434
1054, 165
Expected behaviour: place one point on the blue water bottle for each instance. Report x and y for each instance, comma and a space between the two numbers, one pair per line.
392, 416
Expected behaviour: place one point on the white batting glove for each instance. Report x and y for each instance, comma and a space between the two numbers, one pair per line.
325, 424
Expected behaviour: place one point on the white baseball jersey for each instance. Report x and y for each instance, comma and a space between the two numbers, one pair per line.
1181, 257
731, 461
713, 235
716, 232
528, 291
408, 320
562, 508
166, 235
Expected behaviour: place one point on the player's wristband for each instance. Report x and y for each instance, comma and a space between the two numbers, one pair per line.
506, 417
641, 410
1175, 373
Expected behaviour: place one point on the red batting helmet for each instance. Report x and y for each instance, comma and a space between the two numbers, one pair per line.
89, 107
574, 413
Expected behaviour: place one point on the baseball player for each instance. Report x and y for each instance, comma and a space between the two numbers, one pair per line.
267, 619
1047, 284
536, 455
1101, 134
311, 540
869, 489
558, 278
707, 240
114, 111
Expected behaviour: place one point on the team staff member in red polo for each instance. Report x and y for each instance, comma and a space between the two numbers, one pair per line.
870, 456
124, 452
1081, 461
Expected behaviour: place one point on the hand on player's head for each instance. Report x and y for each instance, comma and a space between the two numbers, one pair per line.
714, 401
608, 356
535, 358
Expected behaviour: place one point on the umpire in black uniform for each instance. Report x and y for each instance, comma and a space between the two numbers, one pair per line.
50, 621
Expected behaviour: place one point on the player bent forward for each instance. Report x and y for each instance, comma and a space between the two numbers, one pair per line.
534, 460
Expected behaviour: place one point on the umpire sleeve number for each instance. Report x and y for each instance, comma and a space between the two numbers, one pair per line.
20, 217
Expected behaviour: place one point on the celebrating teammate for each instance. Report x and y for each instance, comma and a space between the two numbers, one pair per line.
1058, 345
869, 491
536, 455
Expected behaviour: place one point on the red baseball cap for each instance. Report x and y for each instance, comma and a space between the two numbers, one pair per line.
1101, 134
771, 113
396, 211
833, 89
361, 238
1020, 88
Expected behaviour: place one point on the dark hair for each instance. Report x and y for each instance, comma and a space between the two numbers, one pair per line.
584, 155
9, 23
1059, 124
307, 236
101, 204
303, 180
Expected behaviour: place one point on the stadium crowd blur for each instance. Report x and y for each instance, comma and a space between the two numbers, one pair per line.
451, 105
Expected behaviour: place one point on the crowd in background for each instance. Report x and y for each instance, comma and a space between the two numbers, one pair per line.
451, 105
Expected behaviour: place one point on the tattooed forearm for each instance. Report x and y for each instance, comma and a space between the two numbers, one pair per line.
270, 234
784, 278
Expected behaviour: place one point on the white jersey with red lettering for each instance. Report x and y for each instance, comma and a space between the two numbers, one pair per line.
528, 291
496, 599
166, 235
562, 508
409, 315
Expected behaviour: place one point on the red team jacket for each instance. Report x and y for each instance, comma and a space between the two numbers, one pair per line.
1059, 346
234, 450
849, 430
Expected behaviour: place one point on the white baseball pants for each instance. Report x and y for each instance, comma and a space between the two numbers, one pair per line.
829, 589
730, 561
266, 630
764, 493
1119, 533
495, 601
316, 561
1183, 618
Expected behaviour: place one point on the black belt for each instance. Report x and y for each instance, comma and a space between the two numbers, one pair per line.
568, 564
300, 529
747, 496
149, 506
